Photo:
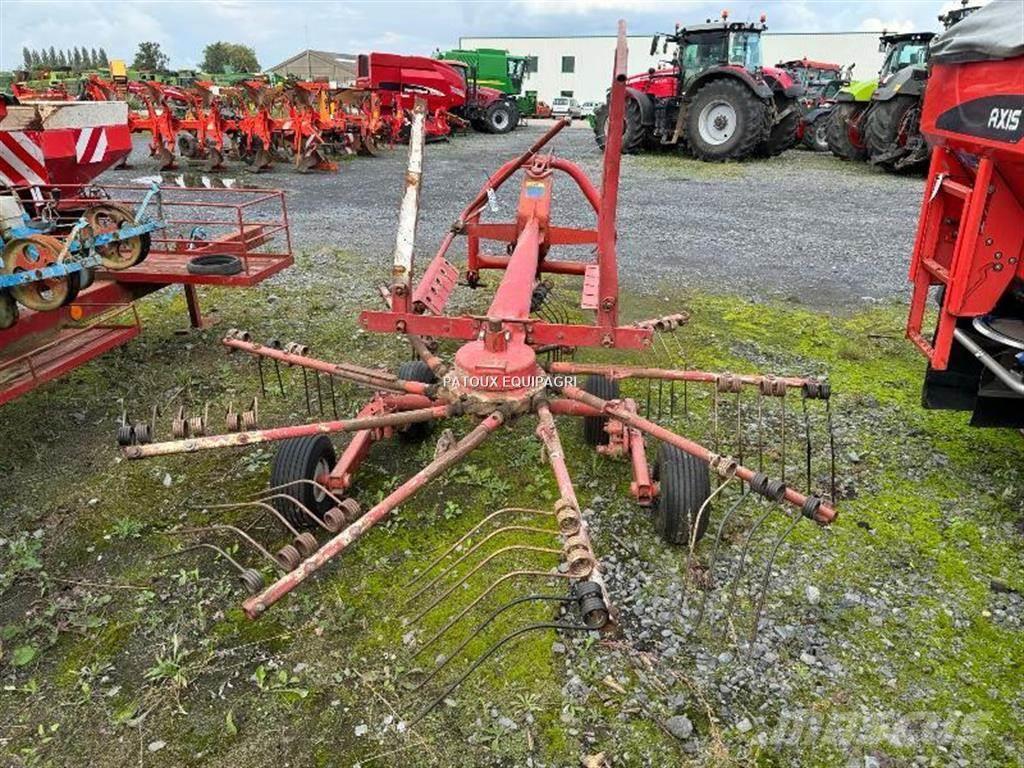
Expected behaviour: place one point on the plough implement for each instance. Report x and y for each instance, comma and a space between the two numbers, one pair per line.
297, 122
514, 365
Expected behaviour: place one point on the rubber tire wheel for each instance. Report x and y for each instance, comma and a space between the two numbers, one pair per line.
684, 486
633, 133
838, 133
594, 432
751, 116
415, 370
781, 137
882, 126
811, 140
504, 109
214, 264
297, 459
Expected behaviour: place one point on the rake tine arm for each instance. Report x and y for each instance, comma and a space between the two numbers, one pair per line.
669, 374
767, 576
235, 439
233, 529
714, 558
357, 374
258, 604
812, 506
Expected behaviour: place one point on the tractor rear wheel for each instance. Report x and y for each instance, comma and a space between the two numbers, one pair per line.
838, 131
725, 121
633, 133
415, 370
501, 117
816, 134
594, 432
889, 128
684, 484
782, 135
297, 460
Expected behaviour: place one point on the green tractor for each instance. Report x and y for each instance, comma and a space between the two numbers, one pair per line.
498, 69
853, 133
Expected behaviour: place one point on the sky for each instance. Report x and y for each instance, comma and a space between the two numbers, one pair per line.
277, 29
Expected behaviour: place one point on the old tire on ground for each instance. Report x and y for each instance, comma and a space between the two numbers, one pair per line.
725, 121
888, 127
500, 117
684, 486
816, 133
782, 136
633, 132
838, 131
594, 432
302, 458
415, 370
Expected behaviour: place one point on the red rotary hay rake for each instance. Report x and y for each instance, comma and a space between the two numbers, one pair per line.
496, 379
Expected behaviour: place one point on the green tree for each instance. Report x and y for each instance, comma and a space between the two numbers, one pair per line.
104, 62
26, 54
51, 57
150, 58
94, 59
220, 56
37, 59
62, 59
76, 59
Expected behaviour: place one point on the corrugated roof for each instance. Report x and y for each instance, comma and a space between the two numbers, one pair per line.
330, 57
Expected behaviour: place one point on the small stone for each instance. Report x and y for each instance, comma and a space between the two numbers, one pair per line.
156, 746
808, 658
558, 648
679, 726
724, 657
507, 723
813, 594
362, 729
744, 725
167, 480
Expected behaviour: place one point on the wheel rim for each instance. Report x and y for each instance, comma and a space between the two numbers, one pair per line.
33, 253
821, 136
322, 469
717, 122
108, 219
499, 119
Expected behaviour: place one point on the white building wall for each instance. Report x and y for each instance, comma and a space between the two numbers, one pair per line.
594, 57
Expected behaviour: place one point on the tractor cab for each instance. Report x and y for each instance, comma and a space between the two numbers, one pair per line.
720, 44
957, 15
903, 50
516, 72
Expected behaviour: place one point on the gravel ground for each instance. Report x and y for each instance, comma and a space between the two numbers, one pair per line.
802, 227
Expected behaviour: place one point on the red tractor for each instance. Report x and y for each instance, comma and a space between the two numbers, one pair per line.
970, 242
821, 82
716, 98
488, 110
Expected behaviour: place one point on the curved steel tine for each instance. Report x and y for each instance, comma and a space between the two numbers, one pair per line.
490, 652
474, 548
298, 504
234, 529
484, 624
474, 529
832, 449
268, 508
203, 545
767, 576
475, 569
476, 601
319, 486
695, 523
743, 557
714, 556
739, 426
